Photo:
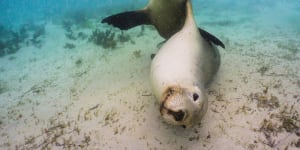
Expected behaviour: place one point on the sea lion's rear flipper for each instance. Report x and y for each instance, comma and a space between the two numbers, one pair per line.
211, 38
127, 20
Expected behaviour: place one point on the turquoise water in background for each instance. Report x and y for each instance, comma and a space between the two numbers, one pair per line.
220, 17
15, 12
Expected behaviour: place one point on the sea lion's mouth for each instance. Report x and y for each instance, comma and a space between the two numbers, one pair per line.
178, 116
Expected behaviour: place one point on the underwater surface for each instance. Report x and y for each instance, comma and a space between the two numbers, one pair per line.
67, 81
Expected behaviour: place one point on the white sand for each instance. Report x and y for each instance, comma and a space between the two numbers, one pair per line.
107, 102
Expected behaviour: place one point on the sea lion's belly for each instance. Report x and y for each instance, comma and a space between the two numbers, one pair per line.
184, 61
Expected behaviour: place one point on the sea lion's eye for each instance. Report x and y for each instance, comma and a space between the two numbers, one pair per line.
195, 96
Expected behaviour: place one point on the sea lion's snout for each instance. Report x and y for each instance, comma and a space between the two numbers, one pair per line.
183, 106
178, 116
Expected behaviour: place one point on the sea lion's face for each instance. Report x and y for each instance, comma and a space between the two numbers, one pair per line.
183, 106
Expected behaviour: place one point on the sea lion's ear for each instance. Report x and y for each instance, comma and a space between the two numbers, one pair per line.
129, 19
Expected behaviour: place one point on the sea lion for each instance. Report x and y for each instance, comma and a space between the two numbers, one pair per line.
167, 16
181, 70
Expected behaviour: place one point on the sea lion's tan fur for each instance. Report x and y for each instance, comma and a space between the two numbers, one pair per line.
167, 16
184, 65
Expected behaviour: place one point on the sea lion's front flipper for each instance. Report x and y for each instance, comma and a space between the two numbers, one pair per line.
211, 38
127, 20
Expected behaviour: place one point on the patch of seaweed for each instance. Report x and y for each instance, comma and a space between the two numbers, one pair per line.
38, 32
290, 119
70, 35
82, 35
287, 120
32, 34
137, 53
59, 134
67, 25
73, 36
9, 42
262, 70
78, 62
269, 129
69, 46
123, 37
12, 40
106, 38
265, 100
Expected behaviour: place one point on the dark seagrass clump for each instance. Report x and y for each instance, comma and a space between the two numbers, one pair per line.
67, 24
9, 42
123, 37
69, 46
106, 38
38, 32
82, 35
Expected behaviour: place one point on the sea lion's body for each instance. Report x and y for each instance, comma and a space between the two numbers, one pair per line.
168, 17
184, 65
181, 69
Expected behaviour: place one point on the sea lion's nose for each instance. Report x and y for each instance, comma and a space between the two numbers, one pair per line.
179, 115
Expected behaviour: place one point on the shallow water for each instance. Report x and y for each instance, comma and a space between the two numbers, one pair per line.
61, 87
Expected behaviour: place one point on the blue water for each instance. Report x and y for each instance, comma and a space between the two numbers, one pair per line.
14, 12
17, 12
217, 16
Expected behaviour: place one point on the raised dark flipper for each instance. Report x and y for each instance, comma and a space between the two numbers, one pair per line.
211, 38
127, 20
130, 19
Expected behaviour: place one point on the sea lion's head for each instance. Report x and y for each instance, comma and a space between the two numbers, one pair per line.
183, 106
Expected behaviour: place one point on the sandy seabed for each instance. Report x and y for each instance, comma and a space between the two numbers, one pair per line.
89, 97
